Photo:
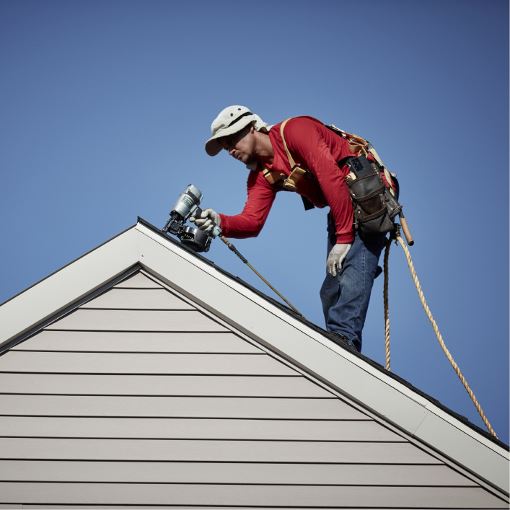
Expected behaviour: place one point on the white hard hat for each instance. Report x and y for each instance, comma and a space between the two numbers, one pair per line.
231, 120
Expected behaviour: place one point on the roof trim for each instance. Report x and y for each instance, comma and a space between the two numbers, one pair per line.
269, 323
54, 293
68, 264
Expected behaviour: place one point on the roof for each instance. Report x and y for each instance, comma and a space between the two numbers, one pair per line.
270, 323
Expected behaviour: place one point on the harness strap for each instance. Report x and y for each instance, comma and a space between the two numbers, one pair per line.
292, 181
289, 155
358, 145
273, 176
366, 148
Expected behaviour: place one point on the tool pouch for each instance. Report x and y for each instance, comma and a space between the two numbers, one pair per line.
374, 206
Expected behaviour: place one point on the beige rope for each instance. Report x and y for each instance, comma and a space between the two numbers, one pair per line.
440, 338
386, 305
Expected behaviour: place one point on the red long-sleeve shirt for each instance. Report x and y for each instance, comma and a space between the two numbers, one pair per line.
316, 148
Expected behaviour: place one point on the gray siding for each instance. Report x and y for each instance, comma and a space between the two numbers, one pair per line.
231, 472
335, 496
139, 398
134, 341
141, 363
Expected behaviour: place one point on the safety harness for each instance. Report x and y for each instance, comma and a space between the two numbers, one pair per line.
294, 180
360, 170
372, 188
357, 145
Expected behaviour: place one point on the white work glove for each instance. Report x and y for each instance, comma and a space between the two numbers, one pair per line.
208, 220
336, 257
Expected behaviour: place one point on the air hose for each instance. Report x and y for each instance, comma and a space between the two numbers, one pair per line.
232, 248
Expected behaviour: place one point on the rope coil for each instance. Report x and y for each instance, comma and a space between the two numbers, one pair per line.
433, 322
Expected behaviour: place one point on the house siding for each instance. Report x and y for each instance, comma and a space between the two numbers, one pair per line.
139, 397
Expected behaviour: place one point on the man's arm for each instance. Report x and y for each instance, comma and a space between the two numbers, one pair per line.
256, 209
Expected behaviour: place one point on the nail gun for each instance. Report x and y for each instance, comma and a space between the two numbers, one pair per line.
186, 208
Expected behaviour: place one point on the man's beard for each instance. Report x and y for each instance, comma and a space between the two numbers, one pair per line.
252, 163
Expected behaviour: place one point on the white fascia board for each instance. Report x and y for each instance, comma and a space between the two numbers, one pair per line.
70, 283
308, 349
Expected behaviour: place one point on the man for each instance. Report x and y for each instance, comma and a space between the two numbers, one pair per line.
352, 262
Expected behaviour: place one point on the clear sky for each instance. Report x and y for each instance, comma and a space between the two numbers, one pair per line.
105, 107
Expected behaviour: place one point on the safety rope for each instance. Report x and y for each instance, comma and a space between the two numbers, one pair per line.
386, 304
433, 322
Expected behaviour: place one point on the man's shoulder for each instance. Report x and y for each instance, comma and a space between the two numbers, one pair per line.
299, 120
295, 128
299, 131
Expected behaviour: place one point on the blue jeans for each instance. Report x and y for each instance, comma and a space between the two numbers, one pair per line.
345, 297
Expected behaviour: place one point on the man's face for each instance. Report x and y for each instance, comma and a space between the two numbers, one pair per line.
241, 145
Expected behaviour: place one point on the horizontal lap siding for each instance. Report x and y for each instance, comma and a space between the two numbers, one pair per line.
203, 407
136, 320
135, 341
141, 363
168, 385
210, 450
225, 472
295, 496
136, 299
139, 386
191, 428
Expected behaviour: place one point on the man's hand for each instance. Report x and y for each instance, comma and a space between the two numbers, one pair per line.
208, 220
336, 257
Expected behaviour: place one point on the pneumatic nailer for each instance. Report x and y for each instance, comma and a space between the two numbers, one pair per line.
186, 208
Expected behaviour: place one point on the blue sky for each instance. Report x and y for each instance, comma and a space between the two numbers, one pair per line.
105, 107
